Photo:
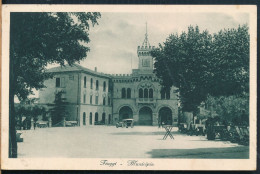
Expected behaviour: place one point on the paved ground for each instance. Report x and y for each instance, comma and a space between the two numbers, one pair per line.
112, 142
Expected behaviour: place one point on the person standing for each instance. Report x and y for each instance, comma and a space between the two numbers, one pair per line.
34, 124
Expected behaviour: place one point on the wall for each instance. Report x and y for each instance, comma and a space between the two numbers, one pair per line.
47, 95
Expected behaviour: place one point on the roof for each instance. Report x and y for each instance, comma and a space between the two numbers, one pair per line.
73, 68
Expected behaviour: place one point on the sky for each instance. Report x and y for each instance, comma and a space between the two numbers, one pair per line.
113, 45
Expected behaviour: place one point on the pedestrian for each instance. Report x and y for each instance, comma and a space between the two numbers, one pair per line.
34, 124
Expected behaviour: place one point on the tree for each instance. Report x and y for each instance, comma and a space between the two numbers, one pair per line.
37, 39
230, 62
182, 61
200, 64
233, 109
58, 111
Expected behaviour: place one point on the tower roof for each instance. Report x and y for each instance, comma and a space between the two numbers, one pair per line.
146, 41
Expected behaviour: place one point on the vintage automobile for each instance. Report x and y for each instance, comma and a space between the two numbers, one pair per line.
125, 123
71, 123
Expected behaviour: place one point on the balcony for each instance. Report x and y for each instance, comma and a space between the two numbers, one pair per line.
145, 100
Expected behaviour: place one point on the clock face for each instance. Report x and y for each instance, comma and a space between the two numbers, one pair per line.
146, 63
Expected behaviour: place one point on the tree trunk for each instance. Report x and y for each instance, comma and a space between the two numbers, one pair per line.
12, 130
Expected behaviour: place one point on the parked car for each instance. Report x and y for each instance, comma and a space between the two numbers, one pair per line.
71, 123
125, 123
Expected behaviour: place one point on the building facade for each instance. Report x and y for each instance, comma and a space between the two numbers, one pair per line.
95, 97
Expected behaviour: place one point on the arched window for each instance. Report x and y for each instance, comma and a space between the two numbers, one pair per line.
168, 94
84, 98
165, 93
141, 93
91, 83
97, 85
84, 118
145, 93
150, 93
96, 116
128, 93
162, 93
108, 101
96, 100
90, 118
103, 118
90, 100
104, 86
85, 82
123, 93
104, 101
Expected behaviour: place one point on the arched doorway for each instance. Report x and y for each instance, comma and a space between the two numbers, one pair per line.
165, 116
104, 118
90, 118
84, 118
96, 117
125, 112
109, 119
145, 116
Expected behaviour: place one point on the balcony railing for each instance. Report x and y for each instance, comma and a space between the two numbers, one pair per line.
145, 100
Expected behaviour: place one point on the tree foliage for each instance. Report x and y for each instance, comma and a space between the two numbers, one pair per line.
232, 108
29, 112
230, 62
58, 111
199, 64
37, 39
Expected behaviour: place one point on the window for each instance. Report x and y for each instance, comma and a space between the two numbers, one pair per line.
96, 100
104, 86
84, 98
145, 93
85, 82
108, 101
165, 93
91, 83
90, 118
62, 82
168, 94
84, 118
103, 118
123, 93
150, 93
71, 77
96, 116
141, 95
97, 85
57, 82
128, 93
90, 100
104, 101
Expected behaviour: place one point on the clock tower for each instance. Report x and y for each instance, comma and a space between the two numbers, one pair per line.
144, 55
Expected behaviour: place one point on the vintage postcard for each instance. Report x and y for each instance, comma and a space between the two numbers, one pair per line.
129, 87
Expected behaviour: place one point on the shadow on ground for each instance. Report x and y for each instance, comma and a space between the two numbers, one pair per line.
239, 152
147, 133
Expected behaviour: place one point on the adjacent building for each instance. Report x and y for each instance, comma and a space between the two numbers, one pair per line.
93, 97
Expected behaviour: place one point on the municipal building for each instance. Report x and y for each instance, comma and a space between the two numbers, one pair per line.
94, 97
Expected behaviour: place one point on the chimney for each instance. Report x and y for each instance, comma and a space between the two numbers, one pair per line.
95, 69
